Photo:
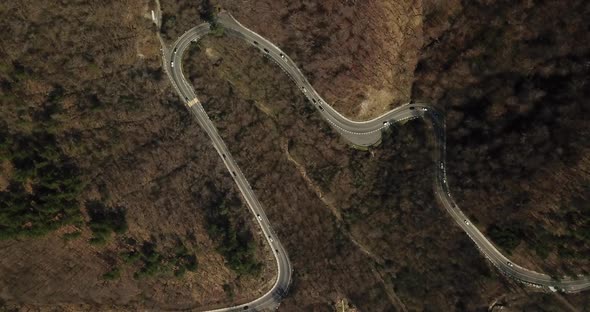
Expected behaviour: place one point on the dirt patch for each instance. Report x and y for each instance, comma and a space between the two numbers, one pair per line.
375, 101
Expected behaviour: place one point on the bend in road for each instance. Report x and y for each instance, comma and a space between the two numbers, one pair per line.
362, 133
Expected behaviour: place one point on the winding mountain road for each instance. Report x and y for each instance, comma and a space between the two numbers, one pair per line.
361, 133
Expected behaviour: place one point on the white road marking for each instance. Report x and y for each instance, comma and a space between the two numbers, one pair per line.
193, 102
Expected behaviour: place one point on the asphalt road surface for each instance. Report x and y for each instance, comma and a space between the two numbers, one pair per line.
361, 133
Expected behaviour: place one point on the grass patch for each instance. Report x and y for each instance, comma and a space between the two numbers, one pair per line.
71, 236
359, 147
113, 274
217, 30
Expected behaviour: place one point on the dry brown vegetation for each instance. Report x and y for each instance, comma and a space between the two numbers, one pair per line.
393, 248
82, 86
82, 83
359, 55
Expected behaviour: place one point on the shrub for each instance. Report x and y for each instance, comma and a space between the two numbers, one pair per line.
113, 274
104, 221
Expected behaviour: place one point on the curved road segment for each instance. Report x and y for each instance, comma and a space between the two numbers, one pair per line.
361, 133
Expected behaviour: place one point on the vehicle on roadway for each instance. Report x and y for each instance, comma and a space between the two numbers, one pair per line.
466, 222
283, 56
424, 109
259, 217
270, 238
364, 133
172, 64
510, 264
386, 123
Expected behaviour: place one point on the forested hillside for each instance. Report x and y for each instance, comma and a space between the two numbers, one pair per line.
108, 188
515, 93
359, 225
112, 197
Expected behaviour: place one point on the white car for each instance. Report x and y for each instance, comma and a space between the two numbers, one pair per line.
510, 264
259, 217
270, 238
303, 89
386, 124
283, 56
424, 109
172, 64
466, 222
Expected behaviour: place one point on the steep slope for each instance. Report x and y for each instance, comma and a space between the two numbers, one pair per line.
517, 109
360, 55
100, 156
